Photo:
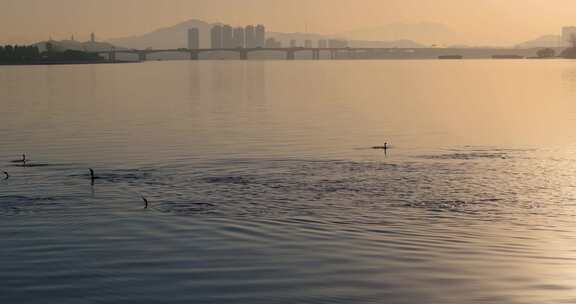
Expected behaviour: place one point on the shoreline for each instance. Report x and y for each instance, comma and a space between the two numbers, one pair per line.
63, 62
75, 62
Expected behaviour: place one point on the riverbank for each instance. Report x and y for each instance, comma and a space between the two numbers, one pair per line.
65, 62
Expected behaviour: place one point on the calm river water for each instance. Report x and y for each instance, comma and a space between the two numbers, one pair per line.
263, 187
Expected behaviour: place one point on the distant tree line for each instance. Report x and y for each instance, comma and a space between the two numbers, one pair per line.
28, 54
546, 53
17, 53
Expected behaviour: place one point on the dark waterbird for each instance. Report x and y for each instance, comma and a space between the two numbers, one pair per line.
145, 202
93, 176
6, 174
384, 147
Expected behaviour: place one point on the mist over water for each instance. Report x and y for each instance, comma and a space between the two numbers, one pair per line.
263, 186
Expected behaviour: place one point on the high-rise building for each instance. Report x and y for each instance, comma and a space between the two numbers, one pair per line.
93, 37
216, 36
260, 35
322, 44
567, 35
239, 37
308, 44
193, 39
227, 37
250, 34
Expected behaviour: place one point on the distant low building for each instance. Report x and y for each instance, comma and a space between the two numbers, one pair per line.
273, 43
64, 45
567, 33
337, 44
450, 57
508, 56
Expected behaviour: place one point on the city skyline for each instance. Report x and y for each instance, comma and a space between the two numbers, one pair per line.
230, 36
57, 18
224, 36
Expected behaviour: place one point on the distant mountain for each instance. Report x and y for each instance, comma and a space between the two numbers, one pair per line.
300, 37
175, 37
404, 43
543, 41
167, 38
427, 33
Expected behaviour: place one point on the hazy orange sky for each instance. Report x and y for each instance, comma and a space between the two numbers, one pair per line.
495, 22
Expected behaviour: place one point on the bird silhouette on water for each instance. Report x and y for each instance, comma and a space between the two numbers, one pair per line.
7, 176
384, 147
93, 176
146, 204
23, 160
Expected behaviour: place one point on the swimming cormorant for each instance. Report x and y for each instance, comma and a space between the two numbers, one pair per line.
145, 202
92, 175
384, 147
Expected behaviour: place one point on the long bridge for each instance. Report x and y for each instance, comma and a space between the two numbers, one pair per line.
333, 53
242, 52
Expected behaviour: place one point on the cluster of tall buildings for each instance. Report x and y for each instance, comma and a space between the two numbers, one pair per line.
226, 37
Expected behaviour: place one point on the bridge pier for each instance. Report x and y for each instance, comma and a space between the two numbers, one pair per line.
290, 55
194, 55
352, 54
112, 54
142, 56
315, 54
333, 54
243, 55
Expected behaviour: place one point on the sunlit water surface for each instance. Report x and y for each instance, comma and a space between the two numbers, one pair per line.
263, 187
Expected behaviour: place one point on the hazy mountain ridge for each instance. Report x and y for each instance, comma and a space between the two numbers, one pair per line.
427, 33
542, 41
401, 43
388, 36
168, 37
175, 37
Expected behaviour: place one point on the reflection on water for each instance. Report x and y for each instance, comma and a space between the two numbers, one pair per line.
263, 187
